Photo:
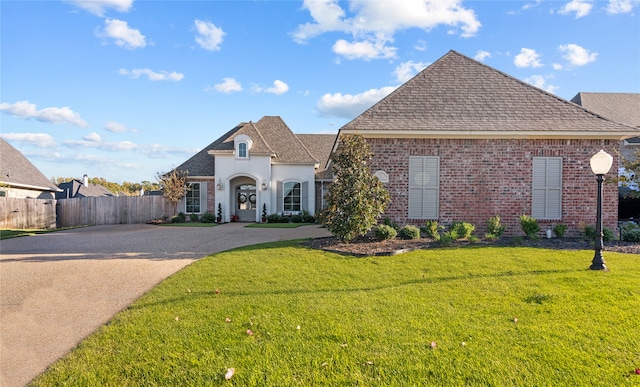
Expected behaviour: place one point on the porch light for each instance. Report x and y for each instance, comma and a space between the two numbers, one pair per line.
263, 186
600, 165
219, 186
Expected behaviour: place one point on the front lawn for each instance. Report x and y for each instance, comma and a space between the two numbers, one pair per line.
282, 315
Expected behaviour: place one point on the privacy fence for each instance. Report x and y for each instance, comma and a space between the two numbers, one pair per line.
111, 210
18, 213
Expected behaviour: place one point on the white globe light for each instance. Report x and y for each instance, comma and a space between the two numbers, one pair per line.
601, 163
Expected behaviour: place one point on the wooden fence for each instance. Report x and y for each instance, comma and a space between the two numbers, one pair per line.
111, 210
20, 213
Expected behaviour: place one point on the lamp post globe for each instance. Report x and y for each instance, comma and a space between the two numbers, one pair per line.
600, 165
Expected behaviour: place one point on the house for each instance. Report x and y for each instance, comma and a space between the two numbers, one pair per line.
19, 178
81, 189
462, 141
257, 166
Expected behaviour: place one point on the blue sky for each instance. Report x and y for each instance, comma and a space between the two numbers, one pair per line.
125, 89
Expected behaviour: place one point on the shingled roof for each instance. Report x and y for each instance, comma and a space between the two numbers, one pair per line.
18, 171
270, 136
458, 97
619, 107
320, 146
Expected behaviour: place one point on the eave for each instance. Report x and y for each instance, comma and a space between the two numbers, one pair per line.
469, 134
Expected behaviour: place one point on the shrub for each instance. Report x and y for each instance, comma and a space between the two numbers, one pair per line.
432, 229
559, 230
391, 223
530, 226
607, 235
384, 232
462, 229
409, 232
193, 217
494, 228
207, 218
273, 218
446, 239
296, 219
177, 219
307, 217
590, 233
284, 219
630, 232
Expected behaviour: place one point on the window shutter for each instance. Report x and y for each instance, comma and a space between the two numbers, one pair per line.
424, 187
279, 202
546, 194
305, 196
203, 198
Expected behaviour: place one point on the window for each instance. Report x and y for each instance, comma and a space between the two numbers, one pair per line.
192, 198
242, 150
424, 187
292, 196
546, 196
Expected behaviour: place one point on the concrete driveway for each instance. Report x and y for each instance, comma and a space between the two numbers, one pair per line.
57, 288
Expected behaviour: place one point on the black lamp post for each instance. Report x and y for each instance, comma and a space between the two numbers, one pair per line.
600, 165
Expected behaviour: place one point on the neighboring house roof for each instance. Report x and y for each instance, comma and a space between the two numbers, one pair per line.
458, 97
77, 189
17, 171
270, 136
620, 107
320, 146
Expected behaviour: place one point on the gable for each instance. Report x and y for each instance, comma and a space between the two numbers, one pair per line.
458, 97
619, 107
17, 170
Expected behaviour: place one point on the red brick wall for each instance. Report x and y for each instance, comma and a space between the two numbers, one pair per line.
482, 178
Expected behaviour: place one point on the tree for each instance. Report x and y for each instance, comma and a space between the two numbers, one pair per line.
173, 184
629, 180
356, 199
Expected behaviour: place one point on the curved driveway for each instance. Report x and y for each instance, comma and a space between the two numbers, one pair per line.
57, 288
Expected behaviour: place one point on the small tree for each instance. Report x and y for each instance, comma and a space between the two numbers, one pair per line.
356, 199
173, 185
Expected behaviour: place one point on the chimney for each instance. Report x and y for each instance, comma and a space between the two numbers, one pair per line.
85, 179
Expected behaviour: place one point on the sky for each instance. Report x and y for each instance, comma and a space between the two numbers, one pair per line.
124, 89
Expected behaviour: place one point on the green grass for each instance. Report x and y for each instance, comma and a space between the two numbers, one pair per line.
189, 224
12, 233
322, 319
277, 225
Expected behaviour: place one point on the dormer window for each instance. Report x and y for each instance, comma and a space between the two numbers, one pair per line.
242, 150
242, 145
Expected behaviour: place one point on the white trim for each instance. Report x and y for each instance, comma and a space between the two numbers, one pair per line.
28, 186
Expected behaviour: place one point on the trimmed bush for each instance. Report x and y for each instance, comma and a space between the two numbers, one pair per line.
177, 219
296, 219
193, 217
208, 218
273, 218
462, 229
391, 223
409, 232
431, 229
284, 219
307, 217
559, 230
590, 233
529, 226
630, 232
494, 228
384, 232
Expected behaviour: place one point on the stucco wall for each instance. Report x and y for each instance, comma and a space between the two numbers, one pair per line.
482, 178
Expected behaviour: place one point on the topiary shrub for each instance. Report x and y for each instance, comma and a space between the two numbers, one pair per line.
208, 218
384, 232
529, 226
559, 230
409, 232
494, 228
462, 230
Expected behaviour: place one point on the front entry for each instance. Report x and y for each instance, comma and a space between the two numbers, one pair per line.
246, 200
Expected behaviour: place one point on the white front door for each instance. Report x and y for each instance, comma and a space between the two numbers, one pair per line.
246, 201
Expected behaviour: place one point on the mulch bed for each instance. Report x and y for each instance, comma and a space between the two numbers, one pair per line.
369, 246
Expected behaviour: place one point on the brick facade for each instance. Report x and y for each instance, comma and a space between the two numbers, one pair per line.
480, 178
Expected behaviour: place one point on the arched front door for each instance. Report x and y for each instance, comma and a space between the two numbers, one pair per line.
246, 202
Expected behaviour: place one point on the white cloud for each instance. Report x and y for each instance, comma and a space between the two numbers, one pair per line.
482, 55
152, 75
116, 127
93, 137
420, 45
99, 7
580, 7
540, 82
366, 50
622, 6
405, 71
527, 58
229, 85
40, 140
123, 35
348, 105
278, 88
89, 142
54, 115
576, 55
209, 36
157, 151
374, 23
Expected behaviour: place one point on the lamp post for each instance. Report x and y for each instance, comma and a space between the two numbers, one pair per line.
600, 165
